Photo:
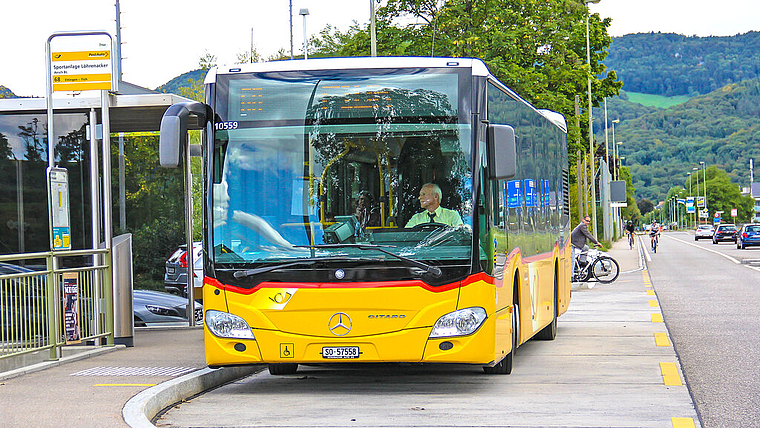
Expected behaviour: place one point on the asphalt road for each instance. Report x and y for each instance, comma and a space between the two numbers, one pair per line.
606, 368
709, 301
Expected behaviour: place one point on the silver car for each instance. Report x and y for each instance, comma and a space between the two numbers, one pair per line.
704, 231
156, 307
175, 278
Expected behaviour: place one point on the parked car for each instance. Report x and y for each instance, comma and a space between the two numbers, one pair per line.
156, 307
704, 231
175, 278
748, 235
725, 232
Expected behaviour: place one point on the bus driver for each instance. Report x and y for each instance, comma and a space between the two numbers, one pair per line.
430, 201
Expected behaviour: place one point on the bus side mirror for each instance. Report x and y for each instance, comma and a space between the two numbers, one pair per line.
174, 126
502, 152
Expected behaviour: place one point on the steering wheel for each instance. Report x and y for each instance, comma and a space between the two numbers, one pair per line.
429, 227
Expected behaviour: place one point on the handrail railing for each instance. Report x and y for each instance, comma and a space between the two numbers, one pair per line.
32, 306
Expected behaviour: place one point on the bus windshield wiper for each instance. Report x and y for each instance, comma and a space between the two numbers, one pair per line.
250, 272
433, 270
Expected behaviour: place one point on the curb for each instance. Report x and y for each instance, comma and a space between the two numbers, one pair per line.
143, 407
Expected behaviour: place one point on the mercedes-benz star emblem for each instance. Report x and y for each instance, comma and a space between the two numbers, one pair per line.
339, 324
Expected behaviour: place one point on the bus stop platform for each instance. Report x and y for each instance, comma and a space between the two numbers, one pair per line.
90, 389
129, 386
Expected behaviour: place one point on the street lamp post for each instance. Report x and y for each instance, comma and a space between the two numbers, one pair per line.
696, 205
304, 12
692, 201
704, 180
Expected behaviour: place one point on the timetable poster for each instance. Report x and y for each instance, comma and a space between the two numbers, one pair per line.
71, 307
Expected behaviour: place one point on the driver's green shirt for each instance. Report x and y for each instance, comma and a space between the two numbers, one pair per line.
442, 215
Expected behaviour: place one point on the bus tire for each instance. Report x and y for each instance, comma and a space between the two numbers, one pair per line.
550, 331
283, 368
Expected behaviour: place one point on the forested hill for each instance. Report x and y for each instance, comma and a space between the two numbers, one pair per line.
721, 129
6, 93
673, 64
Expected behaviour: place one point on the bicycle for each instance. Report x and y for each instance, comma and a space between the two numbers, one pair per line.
655, 241
630, 240
599, 266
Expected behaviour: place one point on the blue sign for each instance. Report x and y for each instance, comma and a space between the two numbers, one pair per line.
531, 193
513, 194
545, 191
690, 208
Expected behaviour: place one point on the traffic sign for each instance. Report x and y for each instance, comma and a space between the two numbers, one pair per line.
81, 62
734, 212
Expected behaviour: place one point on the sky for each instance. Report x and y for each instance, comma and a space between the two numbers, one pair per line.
165, 38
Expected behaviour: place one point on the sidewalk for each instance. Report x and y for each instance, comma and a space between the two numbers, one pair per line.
91, 392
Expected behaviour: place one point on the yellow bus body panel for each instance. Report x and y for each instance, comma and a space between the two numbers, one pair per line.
388, 324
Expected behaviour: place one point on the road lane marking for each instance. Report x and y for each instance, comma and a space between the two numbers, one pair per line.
657, 318
661, 339
650, 292
125, 384
682, 422
670, 374
653, 304
707, 249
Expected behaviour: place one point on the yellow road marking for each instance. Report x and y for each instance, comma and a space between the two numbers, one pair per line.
657, 318
670, 374
125, 384
661, 339
650, 292
653, 304
682, 422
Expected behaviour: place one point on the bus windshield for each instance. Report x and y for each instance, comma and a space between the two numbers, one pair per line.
306, 166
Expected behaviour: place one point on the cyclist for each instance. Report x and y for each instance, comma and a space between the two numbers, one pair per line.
578, 238
629, 229
654, 234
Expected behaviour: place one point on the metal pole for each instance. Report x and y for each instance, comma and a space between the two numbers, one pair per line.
291, 28
579, 180
373, 37
122, 187
105, 114
189, 239
118, 41
305, 12
590, 127
95, 213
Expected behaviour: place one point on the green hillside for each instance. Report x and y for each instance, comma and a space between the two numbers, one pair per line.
659, 101
720, 128
184, 80
673, 64
6, 93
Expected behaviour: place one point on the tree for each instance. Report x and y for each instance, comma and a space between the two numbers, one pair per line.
536, 48
645, 206
207, 60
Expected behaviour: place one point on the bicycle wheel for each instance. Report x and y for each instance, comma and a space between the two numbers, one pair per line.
654, 245
605, 269
630, 241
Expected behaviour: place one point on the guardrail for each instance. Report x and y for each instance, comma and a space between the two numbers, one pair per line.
32, 304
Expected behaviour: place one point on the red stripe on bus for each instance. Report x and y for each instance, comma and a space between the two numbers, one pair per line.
414, 283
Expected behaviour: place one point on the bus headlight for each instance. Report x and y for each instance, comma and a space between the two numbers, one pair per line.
223, 324
459, 323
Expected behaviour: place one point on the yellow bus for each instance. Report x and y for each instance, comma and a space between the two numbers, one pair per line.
376, 210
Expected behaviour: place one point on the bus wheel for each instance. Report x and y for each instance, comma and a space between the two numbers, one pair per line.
505, 365
283, 368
